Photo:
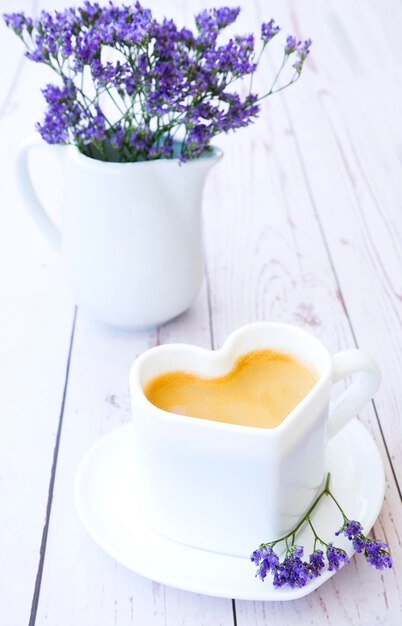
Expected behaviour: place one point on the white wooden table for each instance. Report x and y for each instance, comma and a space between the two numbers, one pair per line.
303, 223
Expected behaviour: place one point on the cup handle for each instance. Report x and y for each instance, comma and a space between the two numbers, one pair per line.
30, 197
358, 393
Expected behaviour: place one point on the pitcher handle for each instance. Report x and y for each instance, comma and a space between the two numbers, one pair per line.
30, 197
358, 393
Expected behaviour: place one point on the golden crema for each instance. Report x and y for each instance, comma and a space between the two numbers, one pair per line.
260, 390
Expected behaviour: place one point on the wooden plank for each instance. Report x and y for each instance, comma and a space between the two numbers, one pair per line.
35, 322
80, 582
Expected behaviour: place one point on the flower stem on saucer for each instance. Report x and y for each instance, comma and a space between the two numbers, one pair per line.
293, 571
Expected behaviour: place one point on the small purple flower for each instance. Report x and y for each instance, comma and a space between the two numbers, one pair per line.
353, 531
166, 147
226, 16
110, 74
359, 542
317, 563
63, 113
293, 571
302, 52
350, 529
92, 129
336, 557
211, 20
197, 139
291, 44
265, 559
304, 49
269, 30
18, 22
117, 139
90, 11
376, 553
141, 139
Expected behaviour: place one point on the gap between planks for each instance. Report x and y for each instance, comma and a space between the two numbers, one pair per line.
42, 552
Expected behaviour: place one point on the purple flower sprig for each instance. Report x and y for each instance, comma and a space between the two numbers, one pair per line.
134, 88
293, 571
375, 552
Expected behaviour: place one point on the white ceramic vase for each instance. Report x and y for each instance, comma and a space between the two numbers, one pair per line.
131, 237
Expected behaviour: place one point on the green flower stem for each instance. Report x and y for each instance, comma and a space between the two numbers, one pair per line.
345, 517
123, 113
331, 495
316, 537
306, 518
295, 78
284, 61
257, 63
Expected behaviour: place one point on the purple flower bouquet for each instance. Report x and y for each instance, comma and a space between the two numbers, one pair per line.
133, 88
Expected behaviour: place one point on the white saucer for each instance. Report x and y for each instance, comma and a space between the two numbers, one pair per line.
105, 495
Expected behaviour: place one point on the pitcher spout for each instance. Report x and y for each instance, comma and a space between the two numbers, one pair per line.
205, 162
183, 183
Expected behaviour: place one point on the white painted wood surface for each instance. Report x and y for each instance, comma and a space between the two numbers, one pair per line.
303, 223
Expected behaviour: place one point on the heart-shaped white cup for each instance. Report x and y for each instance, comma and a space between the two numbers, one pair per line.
225, 487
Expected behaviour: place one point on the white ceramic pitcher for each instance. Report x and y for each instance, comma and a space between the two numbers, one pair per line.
131, 237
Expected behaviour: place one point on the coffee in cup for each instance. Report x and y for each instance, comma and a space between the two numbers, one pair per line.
260, 390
